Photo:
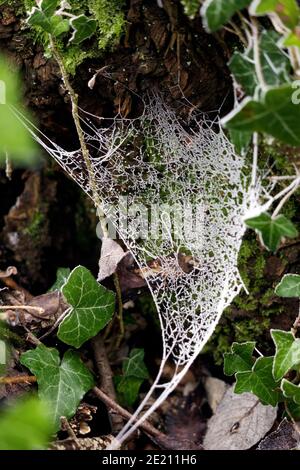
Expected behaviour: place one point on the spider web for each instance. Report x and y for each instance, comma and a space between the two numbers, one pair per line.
197, 182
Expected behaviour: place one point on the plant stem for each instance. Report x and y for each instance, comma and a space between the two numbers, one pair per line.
256, 52
120, 310
20, 379
80, 133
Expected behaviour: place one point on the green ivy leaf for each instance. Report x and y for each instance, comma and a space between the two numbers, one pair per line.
292, 39
62, 275
291, 391
25, 426
275, 115
259, 381
240, 358
92, 308
240, 140
83, 28
287, 352
289, 286
134, 374
294, 409
272, 230
216, 13
287, 10
61, 383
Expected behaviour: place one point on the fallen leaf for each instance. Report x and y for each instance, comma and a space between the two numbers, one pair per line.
285, 437
215, 389
239, 423
111, 255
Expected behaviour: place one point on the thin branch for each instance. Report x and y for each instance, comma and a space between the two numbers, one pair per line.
145, 426
80, 133
19, 379
105, 376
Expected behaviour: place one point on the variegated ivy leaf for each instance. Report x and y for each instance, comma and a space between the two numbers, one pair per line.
83, 28
61, 383
289, 286
216, 13
92, 307
44, 16
275, 64
287, 10
275, 114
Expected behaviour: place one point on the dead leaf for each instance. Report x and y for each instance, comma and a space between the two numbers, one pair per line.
215, 389
285, 437
111, 255
239, 423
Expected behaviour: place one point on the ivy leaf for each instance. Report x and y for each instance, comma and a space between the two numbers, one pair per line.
216, 13
289, 286
61, 384
240, 358
48, 7
287, 10
291, 391
44, 17
294, 409
243, 68
25, 426
275, 64
134, 374
62, 275
83, 28
292, 39
240, 140
287, 352
272, 230
275, 114
92, 308
134, 366
259, 381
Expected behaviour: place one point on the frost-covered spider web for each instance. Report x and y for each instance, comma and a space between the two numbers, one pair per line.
191, 185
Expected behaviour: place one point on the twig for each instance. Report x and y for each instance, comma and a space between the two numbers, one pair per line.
53, 327
286, 197
30, 308
19, 379
145, 426
120, 309
65, 426
105, 376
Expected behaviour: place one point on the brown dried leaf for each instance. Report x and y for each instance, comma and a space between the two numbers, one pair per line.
215, 389
239, 423
285, 437
111, 255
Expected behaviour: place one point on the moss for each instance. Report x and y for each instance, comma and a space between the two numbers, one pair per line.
191, 7
34, 229
110, 15
111, 21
